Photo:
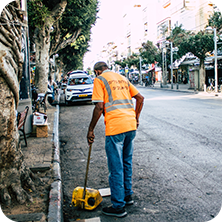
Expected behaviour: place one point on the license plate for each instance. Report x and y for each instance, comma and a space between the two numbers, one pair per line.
83, 95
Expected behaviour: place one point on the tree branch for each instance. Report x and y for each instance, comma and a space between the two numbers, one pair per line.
65, 43
58, 10
54, 17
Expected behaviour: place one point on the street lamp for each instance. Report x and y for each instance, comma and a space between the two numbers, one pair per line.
209, 29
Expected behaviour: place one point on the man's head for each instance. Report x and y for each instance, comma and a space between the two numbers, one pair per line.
99, 67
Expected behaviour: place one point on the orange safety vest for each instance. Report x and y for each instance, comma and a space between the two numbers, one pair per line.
116, 92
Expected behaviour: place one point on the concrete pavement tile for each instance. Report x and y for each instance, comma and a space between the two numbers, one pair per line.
35, 217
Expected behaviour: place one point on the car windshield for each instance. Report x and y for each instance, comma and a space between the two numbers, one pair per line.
79, 81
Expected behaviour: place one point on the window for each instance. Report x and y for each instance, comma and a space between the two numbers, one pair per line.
80, 81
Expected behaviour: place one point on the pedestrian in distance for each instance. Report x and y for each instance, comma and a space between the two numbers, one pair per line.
147, 80
52, 87
112, 96
154, 80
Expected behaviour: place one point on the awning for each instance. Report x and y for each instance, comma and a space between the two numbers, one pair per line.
186, 59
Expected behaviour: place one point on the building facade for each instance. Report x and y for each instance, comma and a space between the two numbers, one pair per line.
192, 14
144, 20
133, 28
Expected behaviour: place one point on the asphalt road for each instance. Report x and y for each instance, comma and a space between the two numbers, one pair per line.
177, 158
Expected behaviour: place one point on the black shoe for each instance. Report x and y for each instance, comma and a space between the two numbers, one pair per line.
129, 200
110, 211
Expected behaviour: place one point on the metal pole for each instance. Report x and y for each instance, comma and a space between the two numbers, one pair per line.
141, 82
171, 51
215, 58
163, 79
25, 86
165, 69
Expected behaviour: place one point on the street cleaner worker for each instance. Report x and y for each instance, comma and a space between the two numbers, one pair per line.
112, 96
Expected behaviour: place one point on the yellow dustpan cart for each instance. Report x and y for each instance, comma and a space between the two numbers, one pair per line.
88, 198
91, 201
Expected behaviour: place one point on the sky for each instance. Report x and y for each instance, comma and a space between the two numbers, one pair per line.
108, 27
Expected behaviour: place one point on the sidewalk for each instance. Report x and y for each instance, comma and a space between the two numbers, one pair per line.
42, 156
183, 88
38, 153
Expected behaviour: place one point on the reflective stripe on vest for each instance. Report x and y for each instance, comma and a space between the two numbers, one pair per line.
117, 104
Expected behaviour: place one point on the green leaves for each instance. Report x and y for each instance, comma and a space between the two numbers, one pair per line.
149, 53
78, 17
198, 44
122, 63
216, 21
38, 13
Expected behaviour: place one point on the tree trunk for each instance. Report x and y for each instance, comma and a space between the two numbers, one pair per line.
42, 59
42, 42
201, 76
13, 173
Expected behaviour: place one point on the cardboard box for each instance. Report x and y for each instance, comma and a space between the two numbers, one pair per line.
42, 131
39, 118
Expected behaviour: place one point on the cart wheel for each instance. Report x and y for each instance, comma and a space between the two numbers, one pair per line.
91, 201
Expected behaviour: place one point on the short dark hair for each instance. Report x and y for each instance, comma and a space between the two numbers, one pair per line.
100, 65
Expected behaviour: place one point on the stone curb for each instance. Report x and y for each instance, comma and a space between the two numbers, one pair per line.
55, 196
173, 90
55, 200
192, 91
177, 90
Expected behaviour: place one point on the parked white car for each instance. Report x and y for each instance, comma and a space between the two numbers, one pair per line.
76, 72
79, 88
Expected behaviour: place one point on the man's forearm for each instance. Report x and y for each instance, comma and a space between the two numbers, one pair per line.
97, 112
139, 105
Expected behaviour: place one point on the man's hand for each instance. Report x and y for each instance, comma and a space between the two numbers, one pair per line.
90, 137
